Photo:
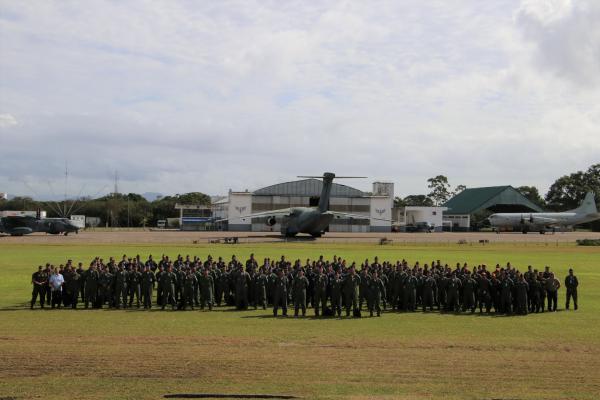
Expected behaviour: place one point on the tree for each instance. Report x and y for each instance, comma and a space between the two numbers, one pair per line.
568, 191
399, 202
532, 194
164, 207
440, 189
418, 200
458, 189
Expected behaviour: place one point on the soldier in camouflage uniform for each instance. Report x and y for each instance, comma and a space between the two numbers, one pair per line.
207, 289
148, 281
134, 281
120, 291
189, 283
320, 291
469, 286
168, 280
92, 278
280, 293
375, 291
260, 289
410, 292
429, 286
337, 286
105, 288
299, 287
351, 289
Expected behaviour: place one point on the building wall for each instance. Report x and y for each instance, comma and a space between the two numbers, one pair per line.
462, 222
240, 203
430, 215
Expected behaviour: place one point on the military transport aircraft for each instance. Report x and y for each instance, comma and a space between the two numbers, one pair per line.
311, 220
24, 225
526, 222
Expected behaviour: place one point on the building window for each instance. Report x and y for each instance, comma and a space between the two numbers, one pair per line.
434, 213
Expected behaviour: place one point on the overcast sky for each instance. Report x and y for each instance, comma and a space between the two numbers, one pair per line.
183, 96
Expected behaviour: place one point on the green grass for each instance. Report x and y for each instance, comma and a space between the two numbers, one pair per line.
133, 354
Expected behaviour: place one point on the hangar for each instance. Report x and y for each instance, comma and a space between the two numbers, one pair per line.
306, 193
471, 206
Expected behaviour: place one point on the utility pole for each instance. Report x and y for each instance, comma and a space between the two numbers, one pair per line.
116, 190
66, 182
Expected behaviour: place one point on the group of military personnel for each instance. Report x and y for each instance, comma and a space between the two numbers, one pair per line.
328, 286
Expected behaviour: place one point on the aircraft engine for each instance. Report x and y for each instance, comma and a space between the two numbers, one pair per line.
271, 221
20, 231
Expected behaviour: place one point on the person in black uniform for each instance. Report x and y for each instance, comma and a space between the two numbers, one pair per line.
571, 284
39, 279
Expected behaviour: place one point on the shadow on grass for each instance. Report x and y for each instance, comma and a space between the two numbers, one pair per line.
226, 396
268, 312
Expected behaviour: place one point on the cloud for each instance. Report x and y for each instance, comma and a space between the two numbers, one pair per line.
566, 36
7, 120
181, 96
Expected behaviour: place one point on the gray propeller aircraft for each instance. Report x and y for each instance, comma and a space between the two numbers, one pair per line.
310, 220
540, 222
24, 225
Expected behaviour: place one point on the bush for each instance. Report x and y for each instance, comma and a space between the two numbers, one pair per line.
588, 242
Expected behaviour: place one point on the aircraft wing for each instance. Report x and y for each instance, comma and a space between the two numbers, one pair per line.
337, 214
273, 213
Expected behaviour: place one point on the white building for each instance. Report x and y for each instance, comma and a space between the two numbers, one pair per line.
3, 196
10, 213
305, 193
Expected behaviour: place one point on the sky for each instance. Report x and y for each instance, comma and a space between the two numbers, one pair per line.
181, 96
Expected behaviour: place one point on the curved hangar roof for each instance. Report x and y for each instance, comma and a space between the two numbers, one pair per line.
307, 187
494, 198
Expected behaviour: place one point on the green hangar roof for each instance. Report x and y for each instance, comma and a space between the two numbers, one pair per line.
493, 198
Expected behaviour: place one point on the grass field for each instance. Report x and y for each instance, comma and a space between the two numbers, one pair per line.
134, 354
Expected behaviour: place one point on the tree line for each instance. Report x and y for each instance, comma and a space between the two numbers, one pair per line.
114, 210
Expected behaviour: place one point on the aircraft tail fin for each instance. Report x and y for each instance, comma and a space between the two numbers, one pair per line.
588, 205
327, 184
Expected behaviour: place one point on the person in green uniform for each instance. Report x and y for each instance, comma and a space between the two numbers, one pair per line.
148, 280
429, 286
280, 293
134, 285
337, 288
168, 280
207, 289
351, 288
522, 289
92, 277
321, 281
120, 291
260, 289
242, 285
299, 287
469, 286
189, 283
375, 291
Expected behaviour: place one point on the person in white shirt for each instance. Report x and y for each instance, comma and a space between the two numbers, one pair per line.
56, 283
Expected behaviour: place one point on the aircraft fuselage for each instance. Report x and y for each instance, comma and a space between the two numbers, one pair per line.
308, 220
